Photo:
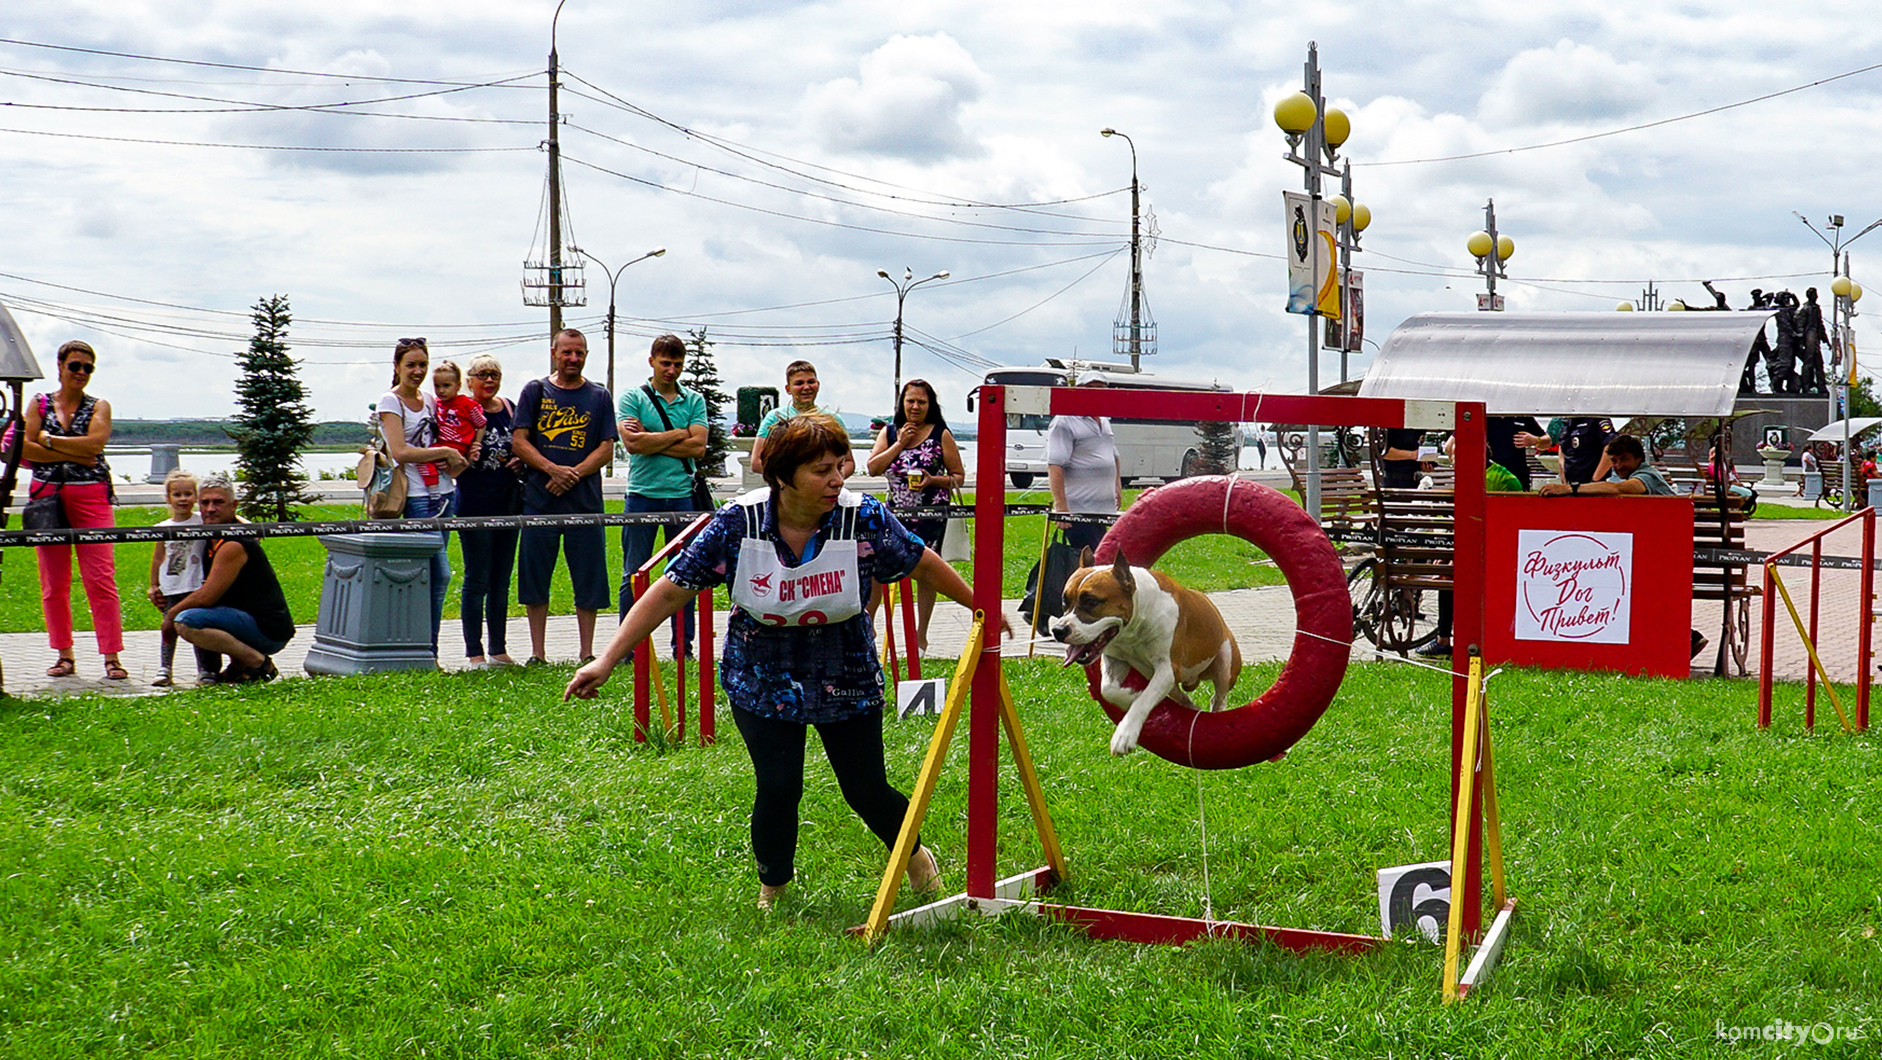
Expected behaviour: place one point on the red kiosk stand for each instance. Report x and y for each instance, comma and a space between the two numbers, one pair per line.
1589, 583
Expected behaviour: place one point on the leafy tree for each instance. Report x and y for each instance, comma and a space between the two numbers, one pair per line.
1220, 451
275, 422
702, 375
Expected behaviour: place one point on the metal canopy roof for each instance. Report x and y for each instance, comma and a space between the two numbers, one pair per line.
1571, 364
1836, 432
16, 357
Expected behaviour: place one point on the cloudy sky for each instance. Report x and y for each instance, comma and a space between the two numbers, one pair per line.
782, 153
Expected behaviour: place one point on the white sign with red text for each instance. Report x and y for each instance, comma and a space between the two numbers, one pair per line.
1574, 585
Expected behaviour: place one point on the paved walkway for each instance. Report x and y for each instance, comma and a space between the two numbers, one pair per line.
1262, 620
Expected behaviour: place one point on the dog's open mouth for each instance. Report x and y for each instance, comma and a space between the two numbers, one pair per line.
1088, 653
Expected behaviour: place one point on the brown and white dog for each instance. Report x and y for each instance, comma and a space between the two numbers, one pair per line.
1137, 618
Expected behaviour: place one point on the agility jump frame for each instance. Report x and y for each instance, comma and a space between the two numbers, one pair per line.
990, 706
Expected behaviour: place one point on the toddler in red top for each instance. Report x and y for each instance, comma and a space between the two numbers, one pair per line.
460, 417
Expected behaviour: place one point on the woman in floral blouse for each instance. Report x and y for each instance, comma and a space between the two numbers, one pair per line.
801, 559
918, 454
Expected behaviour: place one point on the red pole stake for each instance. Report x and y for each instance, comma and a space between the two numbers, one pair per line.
643, 668
888, 635
1765, 644
679, 682
1865, 632
1816, 593
983, 714
707, 670
908, 629
1467, 575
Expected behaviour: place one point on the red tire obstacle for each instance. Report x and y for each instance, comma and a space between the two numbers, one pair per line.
1323, 608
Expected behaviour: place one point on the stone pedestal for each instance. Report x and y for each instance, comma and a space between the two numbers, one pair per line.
163, 460
375, 604
1773, 468
747, 478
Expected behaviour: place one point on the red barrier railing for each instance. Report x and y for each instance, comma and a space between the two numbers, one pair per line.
1865, 621
906, 591
644, 676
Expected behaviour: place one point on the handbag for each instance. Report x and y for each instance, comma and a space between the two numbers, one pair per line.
44, 511
1045, 585
702, 490
385, 484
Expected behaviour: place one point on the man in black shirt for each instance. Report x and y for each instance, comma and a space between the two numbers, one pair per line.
1399, 462
1584, 444
1508, 438
564, 432
240, 610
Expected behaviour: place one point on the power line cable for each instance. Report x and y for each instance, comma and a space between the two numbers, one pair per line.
279, 147
1628, 129
833, 199
242, 105
751, 154
239, 66
835, 224
1047, 298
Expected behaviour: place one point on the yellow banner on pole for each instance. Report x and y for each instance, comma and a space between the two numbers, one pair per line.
1313, 286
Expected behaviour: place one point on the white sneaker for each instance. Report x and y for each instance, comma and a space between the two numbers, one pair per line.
162, 679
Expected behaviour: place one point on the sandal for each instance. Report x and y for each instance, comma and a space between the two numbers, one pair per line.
62, 668
115, 671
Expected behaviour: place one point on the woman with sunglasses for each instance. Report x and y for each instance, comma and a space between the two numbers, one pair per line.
66, 432
490, 486
918, 454
408, 417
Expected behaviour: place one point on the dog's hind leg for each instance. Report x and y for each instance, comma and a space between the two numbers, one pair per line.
1222, 674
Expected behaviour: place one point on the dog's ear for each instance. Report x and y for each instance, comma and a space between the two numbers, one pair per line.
1121, 570
1085, 558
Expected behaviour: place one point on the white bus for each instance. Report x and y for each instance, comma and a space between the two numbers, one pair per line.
1146, 447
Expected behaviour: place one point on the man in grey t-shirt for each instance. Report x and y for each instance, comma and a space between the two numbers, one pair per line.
1083, 470
1632, 474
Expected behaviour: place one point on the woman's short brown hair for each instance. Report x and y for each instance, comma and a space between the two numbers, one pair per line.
800, 440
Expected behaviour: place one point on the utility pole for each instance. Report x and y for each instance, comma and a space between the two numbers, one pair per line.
907, 284
555, 191
1134, 343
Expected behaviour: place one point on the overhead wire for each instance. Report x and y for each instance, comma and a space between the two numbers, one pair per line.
838, 201
232, 66
1047, 298
279, 147
656, 185
1631, 128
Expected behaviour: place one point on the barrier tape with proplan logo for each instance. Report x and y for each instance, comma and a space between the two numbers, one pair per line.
114, 535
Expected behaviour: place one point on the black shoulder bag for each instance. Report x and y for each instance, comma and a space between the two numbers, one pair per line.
702, 493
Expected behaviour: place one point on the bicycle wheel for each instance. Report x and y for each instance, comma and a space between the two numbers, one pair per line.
1367, 587
1407, 626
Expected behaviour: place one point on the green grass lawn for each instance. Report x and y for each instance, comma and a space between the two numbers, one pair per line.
461, 865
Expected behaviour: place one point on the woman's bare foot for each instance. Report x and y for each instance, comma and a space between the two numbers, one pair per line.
768, 896
502, 660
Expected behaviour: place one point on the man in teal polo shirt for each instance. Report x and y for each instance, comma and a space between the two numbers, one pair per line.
801, 383
663, 429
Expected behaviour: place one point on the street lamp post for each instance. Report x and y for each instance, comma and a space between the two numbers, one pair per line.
1845, 291
1491, 250
901, 295
1137, 259
613, 277
1351, 218
1314, 135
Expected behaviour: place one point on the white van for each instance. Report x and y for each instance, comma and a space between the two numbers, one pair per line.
1146, 447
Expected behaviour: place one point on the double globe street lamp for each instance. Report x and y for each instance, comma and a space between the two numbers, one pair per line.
905, 285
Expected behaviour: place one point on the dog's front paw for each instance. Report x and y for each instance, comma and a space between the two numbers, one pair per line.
1124, 738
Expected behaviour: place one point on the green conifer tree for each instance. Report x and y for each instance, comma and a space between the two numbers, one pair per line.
702, 375
275, 422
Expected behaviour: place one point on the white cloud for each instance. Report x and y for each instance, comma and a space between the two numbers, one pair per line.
1566, 84
906, 104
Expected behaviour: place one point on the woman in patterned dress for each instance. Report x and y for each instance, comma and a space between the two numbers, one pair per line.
917, 453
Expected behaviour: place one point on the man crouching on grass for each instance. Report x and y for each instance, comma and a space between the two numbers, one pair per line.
239, 611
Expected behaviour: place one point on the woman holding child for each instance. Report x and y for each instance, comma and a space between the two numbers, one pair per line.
176, 570
408, 418
802, 559
66, 434
490, 486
